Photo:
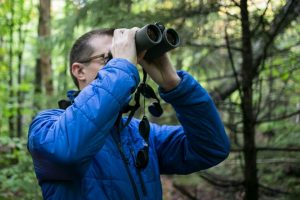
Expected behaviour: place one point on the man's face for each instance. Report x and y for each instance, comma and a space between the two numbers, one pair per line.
87, 72
101, 46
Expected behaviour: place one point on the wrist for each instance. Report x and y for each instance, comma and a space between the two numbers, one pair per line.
171, 83
131, 60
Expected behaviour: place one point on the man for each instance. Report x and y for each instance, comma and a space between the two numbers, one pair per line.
78, 153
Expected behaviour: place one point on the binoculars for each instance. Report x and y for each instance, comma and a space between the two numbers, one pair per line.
156, 39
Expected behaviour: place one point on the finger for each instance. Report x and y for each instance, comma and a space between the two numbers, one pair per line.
119, 32
141, 55
135, 29
143, 62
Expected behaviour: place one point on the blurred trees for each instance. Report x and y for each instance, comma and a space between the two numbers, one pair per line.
43, 70
245, 53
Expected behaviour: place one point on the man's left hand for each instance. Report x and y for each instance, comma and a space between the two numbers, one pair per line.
162, 72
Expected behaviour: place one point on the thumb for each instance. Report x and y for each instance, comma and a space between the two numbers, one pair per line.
141, 56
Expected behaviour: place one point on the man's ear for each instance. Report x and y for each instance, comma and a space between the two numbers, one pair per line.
78, 71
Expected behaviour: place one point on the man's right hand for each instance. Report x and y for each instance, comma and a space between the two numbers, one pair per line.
123, 45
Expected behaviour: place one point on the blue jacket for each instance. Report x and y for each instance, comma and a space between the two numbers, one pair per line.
75, 156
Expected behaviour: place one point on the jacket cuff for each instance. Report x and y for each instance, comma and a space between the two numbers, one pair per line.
186, 88
126, 66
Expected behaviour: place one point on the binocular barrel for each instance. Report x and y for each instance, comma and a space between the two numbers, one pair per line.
147, 37
156, 40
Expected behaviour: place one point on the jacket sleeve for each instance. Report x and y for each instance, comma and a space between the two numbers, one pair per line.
200, 142
62, 143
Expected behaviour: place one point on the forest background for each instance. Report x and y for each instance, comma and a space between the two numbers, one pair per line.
246, 53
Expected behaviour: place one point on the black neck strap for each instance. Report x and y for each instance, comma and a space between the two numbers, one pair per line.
136, 106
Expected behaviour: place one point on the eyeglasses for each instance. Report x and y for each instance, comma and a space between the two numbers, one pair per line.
103, 59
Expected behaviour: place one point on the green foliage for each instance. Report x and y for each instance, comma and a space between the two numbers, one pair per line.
18, 180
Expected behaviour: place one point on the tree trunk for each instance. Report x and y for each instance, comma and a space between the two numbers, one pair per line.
1, 61
63, 87
250, 171
43, 69
20, 95
10, 81
288, 13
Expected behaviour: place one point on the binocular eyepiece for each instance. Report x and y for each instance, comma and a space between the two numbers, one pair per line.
156, 39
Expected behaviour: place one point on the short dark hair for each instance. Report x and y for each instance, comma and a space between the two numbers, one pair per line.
82, 49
